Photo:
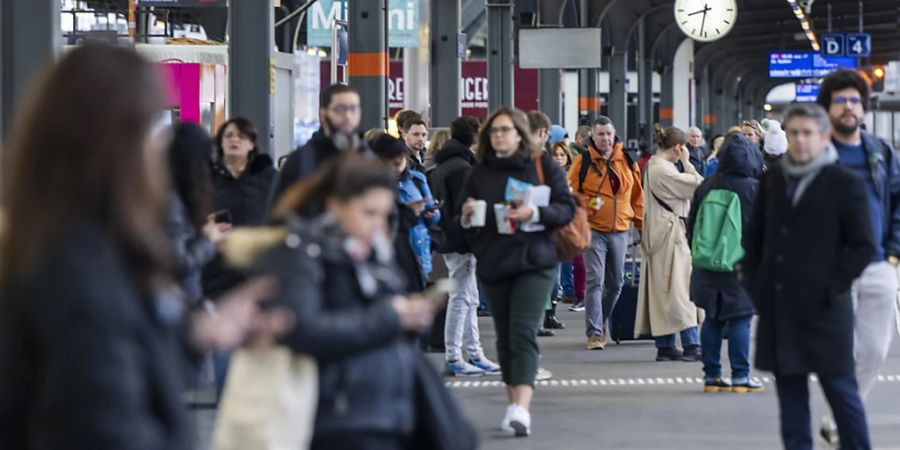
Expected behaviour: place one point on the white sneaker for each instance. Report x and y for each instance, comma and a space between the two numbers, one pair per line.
828, 433
504, 424
543, 374
520, 421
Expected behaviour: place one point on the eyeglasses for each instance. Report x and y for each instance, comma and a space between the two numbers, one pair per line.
501, 130
344, 109
845, 100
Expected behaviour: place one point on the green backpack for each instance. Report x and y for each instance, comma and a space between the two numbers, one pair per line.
717, 232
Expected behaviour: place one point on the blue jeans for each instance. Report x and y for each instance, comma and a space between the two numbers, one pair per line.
842, 394
482, 299
689, 338
567, 278
738, 347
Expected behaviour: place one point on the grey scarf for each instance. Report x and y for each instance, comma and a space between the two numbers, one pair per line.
807, 172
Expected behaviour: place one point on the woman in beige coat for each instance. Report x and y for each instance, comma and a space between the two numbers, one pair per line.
664, 303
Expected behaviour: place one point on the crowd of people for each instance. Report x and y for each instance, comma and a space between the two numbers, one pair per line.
144, 250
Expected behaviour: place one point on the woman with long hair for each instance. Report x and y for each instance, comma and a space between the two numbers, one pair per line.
192, 229
92, 324
514, 244
664, 298
342, 283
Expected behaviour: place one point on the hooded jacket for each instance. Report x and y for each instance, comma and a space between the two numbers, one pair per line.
412, 186
721, 294
344, 319
245, 199
618, 208
454, 162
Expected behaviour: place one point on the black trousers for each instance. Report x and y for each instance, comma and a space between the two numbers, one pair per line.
842, 394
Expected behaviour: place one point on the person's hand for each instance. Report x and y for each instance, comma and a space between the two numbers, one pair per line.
416, 314
430, 214
216, 232
236, 316
522, 213
417, 206
683, 154
468, 209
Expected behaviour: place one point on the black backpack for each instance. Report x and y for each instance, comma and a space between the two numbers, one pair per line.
630, 157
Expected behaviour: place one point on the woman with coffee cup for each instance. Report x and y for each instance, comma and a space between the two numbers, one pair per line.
513, 242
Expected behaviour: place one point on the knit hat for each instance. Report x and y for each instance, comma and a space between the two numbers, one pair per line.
775, 141
557, 134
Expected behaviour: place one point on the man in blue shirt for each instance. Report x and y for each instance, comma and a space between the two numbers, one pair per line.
845, 94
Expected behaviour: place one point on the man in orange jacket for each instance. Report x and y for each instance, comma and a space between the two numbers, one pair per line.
610, 186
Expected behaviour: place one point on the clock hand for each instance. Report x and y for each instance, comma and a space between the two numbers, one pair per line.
703, 23
703, 11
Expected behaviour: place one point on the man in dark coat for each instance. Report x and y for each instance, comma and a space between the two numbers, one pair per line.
340, 114
810, 236
720, 294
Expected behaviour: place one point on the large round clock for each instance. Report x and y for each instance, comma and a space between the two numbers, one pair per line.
705, 20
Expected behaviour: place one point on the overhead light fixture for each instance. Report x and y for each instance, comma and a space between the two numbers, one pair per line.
805, 24
767, 107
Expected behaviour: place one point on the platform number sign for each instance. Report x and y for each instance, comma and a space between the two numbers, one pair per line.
859, 44
833, 44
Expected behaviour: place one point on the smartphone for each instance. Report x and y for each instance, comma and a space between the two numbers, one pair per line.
434, 207
223, 216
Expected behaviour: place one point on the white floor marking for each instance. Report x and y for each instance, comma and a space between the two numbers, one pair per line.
628, 382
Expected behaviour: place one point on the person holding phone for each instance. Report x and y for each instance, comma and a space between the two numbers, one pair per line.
517, 267
664, 298
417, 210
339, 277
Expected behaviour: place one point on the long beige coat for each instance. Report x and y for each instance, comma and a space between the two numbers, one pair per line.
664, 298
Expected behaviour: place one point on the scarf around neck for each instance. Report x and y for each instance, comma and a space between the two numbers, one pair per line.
806, 173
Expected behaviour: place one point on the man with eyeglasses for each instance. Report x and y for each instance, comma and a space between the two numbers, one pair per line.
845, 95
339, 116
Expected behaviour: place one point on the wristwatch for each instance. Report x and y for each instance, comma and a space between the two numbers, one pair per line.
893, 260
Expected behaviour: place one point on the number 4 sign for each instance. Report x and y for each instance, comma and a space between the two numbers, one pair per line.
859, 44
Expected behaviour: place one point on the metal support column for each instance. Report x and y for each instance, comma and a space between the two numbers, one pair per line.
645, 88
445, 65
618, 92
500, 53
549, 101
368, 59
588, 96
667, 98
29, 38
250, 65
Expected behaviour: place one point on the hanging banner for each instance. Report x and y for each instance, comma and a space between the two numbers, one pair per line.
473, 87
403, 22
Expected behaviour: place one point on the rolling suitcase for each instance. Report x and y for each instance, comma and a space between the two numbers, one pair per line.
621, 321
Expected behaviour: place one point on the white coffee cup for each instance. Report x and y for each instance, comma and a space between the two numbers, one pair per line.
479, 214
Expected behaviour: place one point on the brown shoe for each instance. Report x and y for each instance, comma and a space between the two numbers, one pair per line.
596, 343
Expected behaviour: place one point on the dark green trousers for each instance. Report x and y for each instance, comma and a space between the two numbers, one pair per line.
517, 306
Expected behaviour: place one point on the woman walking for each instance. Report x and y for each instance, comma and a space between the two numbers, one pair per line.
515, 248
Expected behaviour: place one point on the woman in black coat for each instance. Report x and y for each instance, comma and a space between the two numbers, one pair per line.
338, 275
721, 294
242, 180
516, 255
94, 333
194, 234
810, 236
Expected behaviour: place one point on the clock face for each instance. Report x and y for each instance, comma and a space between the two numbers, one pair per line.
705, 20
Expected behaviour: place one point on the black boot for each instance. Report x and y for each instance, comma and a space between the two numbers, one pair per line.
668, 354
692, 353
550, 320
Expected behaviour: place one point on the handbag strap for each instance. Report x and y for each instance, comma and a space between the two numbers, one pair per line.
540, 169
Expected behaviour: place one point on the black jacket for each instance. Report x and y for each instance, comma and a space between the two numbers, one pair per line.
88, 361
721, 294
800, 264
190, 250
245, 198
454, 162
302, 162
346, 321
503, 256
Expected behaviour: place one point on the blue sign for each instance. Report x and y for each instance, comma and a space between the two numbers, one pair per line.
859, 44
832, 44
805, 64
403, 22
806, 92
